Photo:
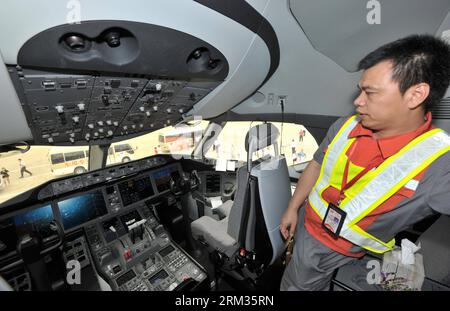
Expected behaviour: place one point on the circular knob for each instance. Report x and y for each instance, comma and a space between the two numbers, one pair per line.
113, 39
75, 42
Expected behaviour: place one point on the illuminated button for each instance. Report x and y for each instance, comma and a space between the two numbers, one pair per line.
81, 106
76, 119
148, 113
155, 108
100, 123
108, 122
155, 86
59, 108
91, 125
115, 123
142, 108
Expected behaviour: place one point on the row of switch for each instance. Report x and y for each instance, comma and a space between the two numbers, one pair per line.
60, 108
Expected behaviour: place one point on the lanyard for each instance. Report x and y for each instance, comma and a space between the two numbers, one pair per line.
376, 162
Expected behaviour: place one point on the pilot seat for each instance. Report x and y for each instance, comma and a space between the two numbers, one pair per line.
247, 239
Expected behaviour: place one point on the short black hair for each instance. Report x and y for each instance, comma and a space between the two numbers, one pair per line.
416, 59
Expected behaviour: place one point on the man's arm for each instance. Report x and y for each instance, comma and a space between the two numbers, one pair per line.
304, 186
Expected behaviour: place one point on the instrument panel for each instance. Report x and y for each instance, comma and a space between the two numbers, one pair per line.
75, 210
129, 246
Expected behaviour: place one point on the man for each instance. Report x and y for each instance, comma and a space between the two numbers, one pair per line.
294, 151
302, 155
23, 168
376, 173
5, 175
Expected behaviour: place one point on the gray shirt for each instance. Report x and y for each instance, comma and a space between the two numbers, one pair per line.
431, 196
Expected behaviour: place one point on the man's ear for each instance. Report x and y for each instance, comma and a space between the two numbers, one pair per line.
417, 94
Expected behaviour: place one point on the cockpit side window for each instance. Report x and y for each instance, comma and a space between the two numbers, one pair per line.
296, 143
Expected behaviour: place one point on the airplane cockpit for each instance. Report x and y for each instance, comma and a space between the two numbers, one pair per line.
155, 145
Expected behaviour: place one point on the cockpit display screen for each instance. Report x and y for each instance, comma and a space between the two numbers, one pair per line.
80, 209
35, 220
158, 277
162, 177
135, 190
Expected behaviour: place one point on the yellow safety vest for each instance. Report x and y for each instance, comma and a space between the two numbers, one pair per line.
376, 186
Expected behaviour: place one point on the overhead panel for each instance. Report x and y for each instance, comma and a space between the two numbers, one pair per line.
118, 72
86, 94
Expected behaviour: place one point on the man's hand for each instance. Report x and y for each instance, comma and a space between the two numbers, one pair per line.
289, 222
304, 185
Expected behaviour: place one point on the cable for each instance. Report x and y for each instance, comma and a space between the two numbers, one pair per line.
121, 241
282, 123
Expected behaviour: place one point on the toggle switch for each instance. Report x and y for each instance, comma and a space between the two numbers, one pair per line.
60, 109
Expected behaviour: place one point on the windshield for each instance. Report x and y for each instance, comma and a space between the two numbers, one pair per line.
24, 171
21, 172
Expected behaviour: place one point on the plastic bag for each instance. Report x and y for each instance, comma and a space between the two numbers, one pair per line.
403, 268
289, 247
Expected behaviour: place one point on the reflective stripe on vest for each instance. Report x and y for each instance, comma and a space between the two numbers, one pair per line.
369, 193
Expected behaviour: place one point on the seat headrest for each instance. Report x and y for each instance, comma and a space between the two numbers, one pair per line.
261, 136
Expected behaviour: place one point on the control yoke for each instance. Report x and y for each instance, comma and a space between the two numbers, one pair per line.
185, 184
32, 255
30, 240
182, 188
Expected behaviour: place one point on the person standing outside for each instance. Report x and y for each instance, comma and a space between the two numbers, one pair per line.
5, 175
294, 151
23, 168
301, 134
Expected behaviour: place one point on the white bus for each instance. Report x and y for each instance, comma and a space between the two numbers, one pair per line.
75, 160
181, 138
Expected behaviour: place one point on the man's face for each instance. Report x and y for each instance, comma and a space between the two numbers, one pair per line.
380, 104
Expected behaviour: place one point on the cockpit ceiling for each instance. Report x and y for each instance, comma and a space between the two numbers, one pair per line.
119, 73
346, 30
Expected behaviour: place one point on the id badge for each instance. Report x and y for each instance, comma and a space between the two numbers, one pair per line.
334, 220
